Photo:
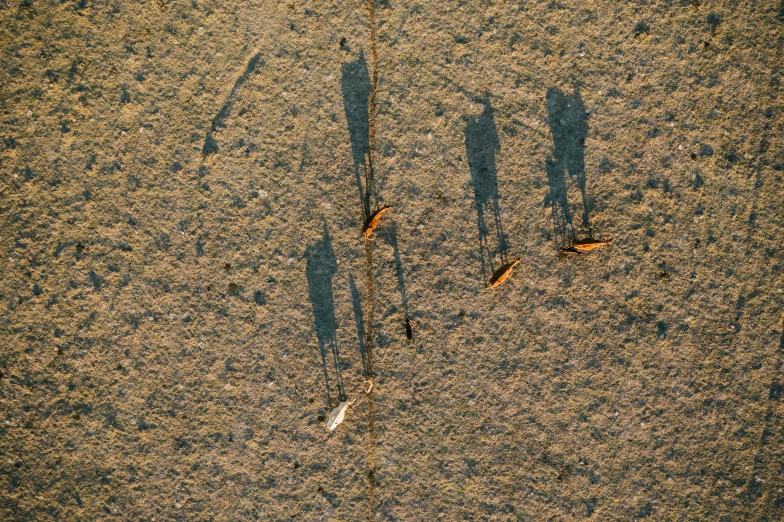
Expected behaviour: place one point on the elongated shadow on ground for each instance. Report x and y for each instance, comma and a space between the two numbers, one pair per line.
210, 145
356, 87
559, 205
359, 320
321, 267
569, 127
482, 144
391, 238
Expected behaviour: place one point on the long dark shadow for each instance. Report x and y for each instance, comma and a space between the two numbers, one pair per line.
482, 144
391, 238
356, 86
359, 320
559, 205
321, 267
569, 127
359, 102
210, 145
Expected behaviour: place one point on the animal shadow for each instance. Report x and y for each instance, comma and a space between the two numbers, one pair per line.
219, 121
569, 127
356, 86
360, 322
321, 267
482, 144
401, 283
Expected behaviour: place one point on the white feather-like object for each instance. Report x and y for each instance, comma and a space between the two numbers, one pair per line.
338, 414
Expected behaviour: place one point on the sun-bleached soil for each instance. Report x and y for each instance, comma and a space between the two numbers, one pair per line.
186, 293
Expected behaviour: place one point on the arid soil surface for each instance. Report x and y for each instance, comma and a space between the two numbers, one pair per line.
186, 292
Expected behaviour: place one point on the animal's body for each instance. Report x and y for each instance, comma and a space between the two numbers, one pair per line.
586, 245
372, 222
338, 414
502, 273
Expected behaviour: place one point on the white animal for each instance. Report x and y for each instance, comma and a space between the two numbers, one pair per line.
338, 414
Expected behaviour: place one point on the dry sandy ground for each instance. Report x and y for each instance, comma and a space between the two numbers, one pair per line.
186, 293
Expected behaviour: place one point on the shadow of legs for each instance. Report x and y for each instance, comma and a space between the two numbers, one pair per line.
568, 122
356, 87
338, 370
360, 322
320, 269
482, 144
323, 352
556, 198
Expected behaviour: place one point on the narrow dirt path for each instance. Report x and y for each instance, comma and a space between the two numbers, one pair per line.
369, 174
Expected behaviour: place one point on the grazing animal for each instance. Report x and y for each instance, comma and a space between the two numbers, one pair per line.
502, 273
338, 414
372, 222
585, 245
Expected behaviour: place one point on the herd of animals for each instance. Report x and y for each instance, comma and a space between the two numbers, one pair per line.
503, 272
338, 414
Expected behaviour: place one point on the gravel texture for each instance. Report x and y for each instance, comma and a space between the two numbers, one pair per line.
186, 293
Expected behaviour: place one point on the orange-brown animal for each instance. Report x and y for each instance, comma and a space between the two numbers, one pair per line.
588, 244
372, 222
502, 274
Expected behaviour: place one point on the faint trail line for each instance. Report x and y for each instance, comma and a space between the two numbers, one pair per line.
371, 441
371, 474
372, 102
369, 175
370, 309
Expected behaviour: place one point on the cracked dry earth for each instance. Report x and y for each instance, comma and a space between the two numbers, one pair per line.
186, 293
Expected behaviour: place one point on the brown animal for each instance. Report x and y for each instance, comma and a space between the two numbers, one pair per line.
585, 245
502, 273
372, 222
